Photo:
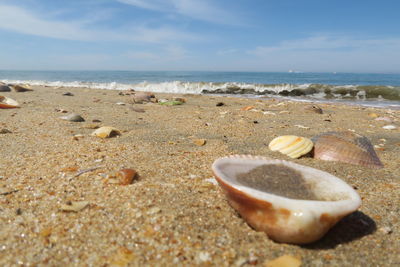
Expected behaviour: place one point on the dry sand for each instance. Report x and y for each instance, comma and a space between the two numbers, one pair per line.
174, 213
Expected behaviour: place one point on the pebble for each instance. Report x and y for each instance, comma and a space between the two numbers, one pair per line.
68, 94
126, 176
106, 132
199, 142
73, 117
5, 131
386, 230
284, 261
4, 88
313, 108
220, 104
389, 127
74, 206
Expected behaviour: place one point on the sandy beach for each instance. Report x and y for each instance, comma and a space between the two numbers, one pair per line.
174, 213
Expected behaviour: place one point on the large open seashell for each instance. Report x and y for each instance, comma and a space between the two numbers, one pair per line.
6, 102
291, 145
346, 147
290, 202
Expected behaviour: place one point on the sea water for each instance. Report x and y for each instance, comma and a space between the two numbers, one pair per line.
355, 88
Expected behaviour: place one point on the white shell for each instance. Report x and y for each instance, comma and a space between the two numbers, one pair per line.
285, 219
6, 102
291, 145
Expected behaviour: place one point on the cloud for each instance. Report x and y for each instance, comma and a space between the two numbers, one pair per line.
199, 10
327, 43
20, 20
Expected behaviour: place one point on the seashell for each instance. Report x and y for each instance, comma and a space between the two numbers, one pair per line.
20, 89
313, 108
346, 147
126, 176
291, 203
291, 145
4, 88
106, 132
389, 127
73, 117
6, 102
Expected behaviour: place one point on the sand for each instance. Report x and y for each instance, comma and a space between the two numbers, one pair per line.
174, 213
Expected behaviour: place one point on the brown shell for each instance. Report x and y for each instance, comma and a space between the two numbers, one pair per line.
346, 147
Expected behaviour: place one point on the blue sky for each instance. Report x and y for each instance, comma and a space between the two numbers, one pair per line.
217, 35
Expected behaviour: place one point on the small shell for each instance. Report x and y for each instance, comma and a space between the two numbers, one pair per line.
257, 188
126, 176
20, 89
346, 147
73, 117
106, 132
6, 102
291, 145
389, 127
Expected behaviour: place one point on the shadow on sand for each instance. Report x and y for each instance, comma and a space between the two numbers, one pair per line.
350, 228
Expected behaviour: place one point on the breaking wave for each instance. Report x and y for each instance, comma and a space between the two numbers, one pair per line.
308, 91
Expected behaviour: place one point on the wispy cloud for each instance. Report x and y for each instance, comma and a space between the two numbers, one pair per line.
200, 10
21, 20
328, 43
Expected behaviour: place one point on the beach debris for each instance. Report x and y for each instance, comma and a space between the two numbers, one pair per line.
180, 99
106, 132
346, 146
73, 117
199, 142
4, 88
5, 131
20, 89
220, 104
74, 206
171, 103
61, 110
126, 176
79, 173
302, 126
386, 119
373, 115
290, 202
284, 261
120, 103
269, 113
291, 145
389, 127
6, 103
68, 94
5, 191
247, 108
143, 97
313, 108
140, 110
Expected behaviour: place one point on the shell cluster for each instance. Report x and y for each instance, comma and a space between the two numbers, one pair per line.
291, 203
291, 145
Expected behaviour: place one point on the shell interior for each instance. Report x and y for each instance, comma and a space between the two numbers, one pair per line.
301, 183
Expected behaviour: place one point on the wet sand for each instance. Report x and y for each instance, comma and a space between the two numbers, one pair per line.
174, 213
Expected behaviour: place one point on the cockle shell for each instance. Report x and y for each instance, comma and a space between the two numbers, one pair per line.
6, 102
292, 203
291, 145
106, 132
346, 147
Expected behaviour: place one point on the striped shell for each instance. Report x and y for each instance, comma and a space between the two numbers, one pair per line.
291, 145
284, 218
346, 147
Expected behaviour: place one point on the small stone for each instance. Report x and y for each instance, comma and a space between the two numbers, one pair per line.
74, 206
96, 120
5, 131
386, 230
199, 142
284, 261
106, 132
313, 108
389, 127
373, 115
68, 94
220, 104
4, 88
73, 117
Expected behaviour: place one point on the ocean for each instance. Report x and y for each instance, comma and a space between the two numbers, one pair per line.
379, 90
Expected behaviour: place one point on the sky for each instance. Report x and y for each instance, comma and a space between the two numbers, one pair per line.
205, 35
